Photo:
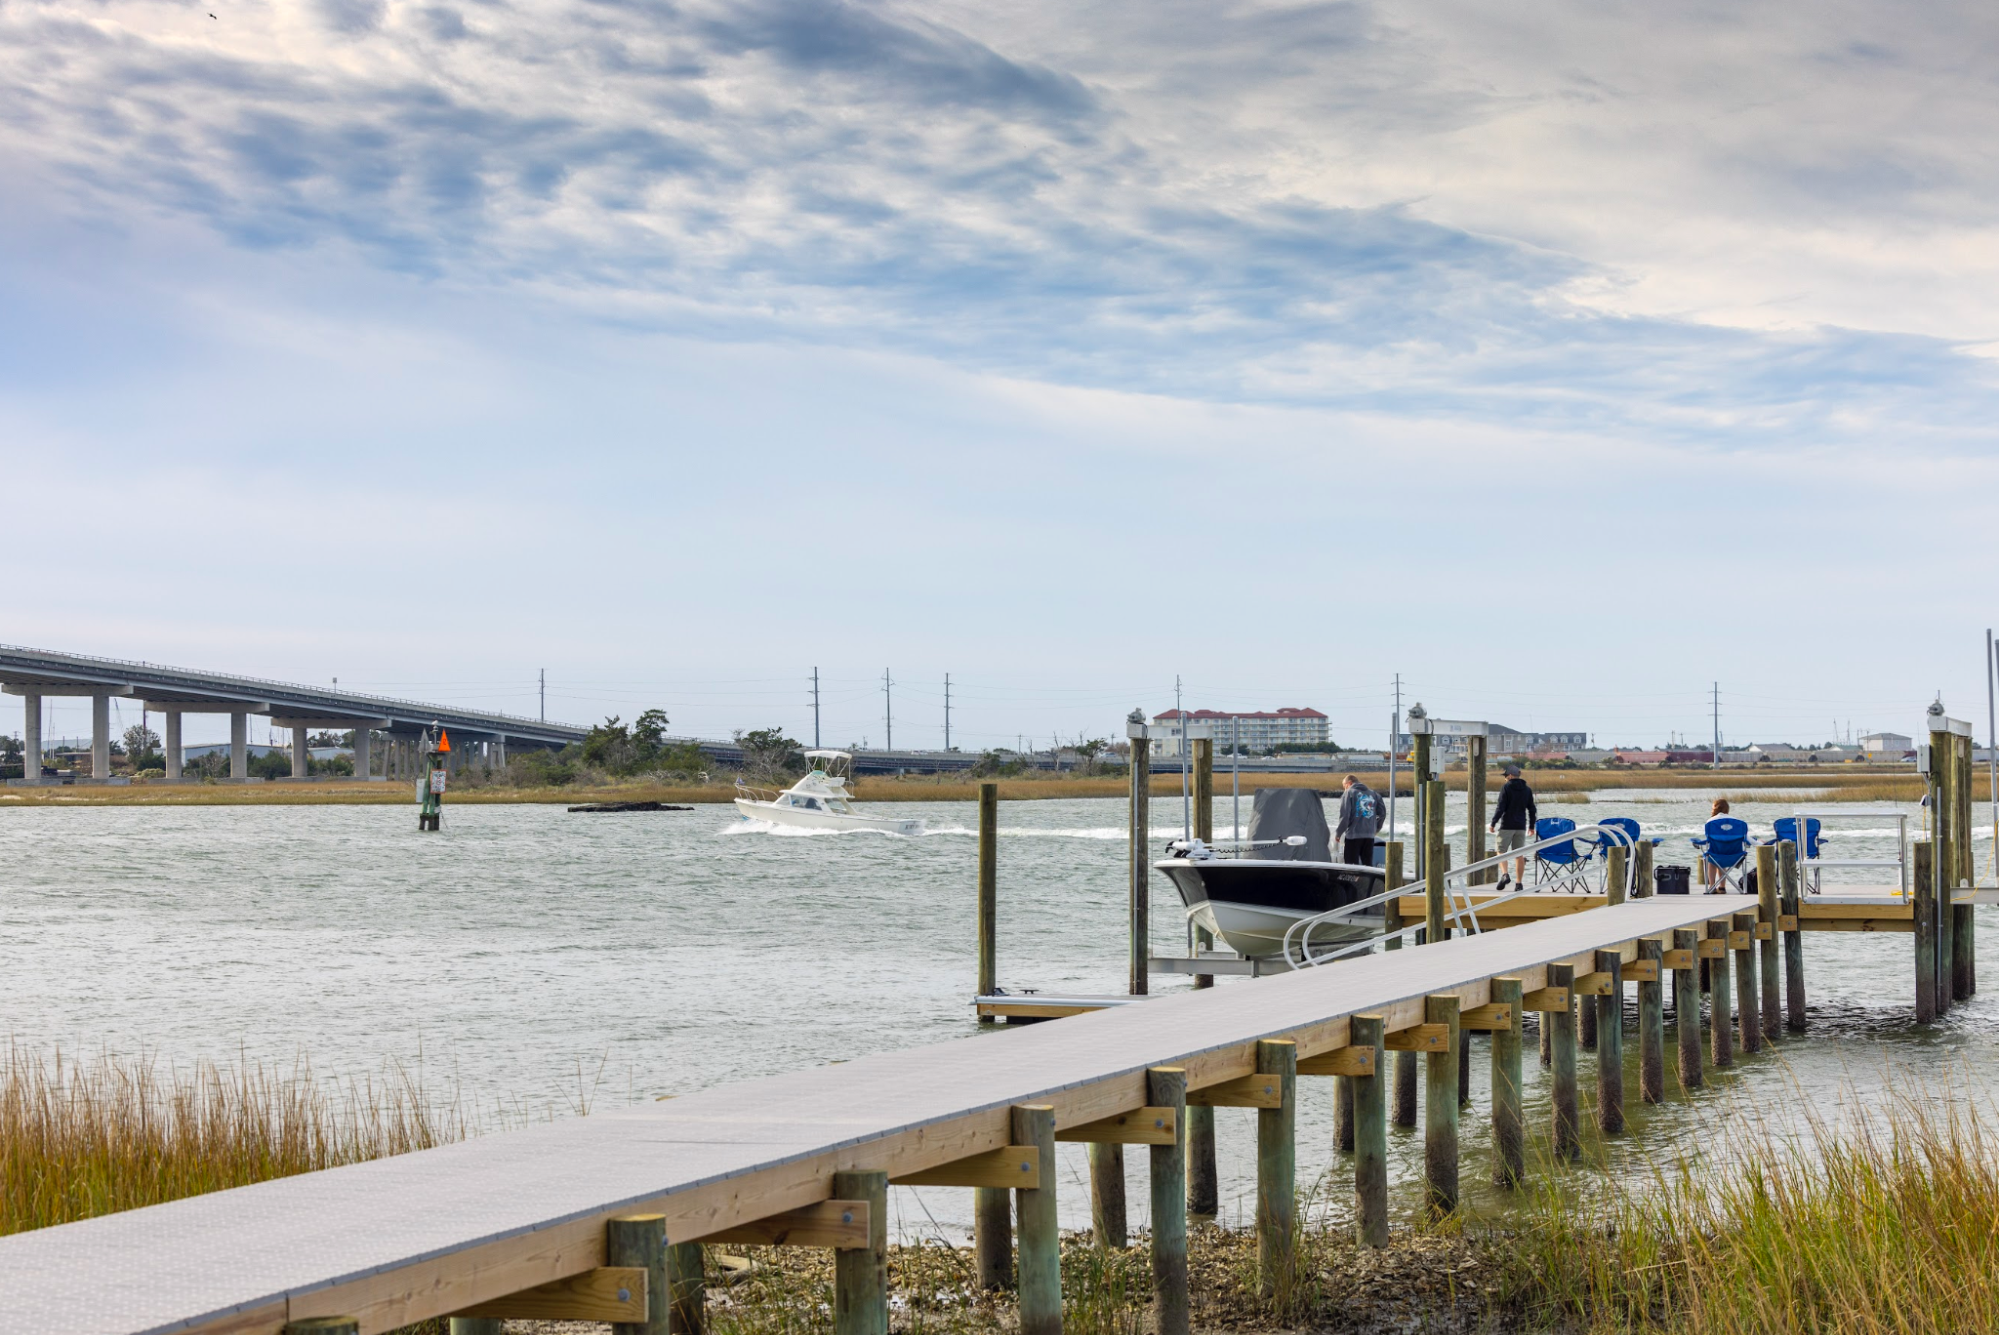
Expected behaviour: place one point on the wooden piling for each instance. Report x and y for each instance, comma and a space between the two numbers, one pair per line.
1586, 1025
1652, 1025
1610, 1045
687, 1288
1203, 1177
1768, 896
1107, 1207
1404, 1096
988, 911
1959, 940
1440, 1108
1687, 1010
469, 1326
640, 1240
1562, 1026
1923, 874
1370, 1162
1166, 1088
1617, 875
322, 1326
1436, 861
1720, 1023
1475, 754
1749, 1013
1276, 1173
1508, 1129
1794, 938
1139, 869
1945, 853
1343, 1114
1643, 883
992, 1237
860, 1275
1545, 1035
1040, 1230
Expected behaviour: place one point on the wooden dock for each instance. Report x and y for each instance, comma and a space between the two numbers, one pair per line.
479, 1224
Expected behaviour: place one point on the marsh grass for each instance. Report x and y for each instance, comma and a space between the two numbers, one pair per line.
110, 1134
1888, 1222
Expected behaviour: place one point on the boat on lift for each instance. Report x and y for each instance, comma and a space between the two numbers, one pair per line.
1250, 895
819, 801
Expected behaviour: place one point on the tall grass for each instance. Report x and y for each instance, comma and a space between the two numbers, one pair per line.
110, 1134
1888, 1223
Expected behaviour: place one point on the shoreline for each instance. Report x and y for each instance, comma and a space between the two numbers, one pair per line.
1874, 786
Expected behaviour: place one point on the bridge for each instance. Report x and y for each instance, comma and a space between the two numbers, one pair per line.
175, 692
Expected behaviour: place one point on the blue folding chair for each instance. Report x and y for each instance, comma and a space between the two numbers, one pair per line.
1786, 828
1725, 846
1605, 841
1559, 867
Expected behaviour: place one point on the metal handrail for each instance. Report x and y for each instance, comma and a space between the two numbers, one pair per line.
1618, 836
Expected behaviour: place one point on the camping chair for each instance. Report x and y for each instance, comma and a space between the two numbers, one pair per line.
1559, 867
1786, 828
1605, 842
1725, 846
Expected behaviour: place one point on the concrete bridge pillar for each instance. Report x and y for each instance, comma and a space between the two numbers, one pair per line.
363, 754
301, 760
100, 737
173, 744
31, 739
500, 751
239, 744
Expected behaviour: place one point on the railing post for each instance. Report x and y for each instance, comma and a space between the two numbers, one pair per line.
1610, 1045
1562, 1025
1794, 939
1166, 1087
1440, 1108
1766, 913
1652, 1025
1720, 1022
1749, 1012
1276, 1173
1508, 1130
860, 1275
1370, 1108
1040, 1229
1107, 1207
1687, 1010
640, 1240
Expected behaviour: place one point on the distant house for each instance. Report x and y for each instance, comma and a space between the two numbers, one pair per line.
1259, 730
1627, 756
1887, 746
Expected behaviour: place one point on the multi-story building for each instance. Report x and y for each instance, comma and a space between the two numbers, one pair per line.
1260, 729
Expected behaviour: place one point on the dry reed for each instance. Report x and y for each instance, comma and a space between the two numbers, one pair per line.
86, 1139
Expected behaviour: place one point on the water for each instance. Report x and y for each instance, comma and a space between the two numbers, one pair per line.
540, 961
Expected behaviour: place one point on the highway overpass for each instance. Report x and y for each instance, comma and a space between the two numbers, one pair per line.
396, 725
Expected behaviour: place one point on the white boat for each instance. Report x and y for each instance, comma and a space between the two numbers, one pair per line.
820, 801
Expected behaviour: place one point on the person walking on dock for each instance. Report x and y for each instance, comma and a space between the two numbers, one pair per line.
1512, 818
1360, 820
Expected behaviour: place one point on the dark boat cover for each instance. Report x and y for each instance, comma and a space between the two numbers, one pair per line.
1282, 813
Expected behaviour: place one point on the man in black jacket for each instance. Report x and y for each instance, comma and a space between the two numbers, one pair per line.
1513, 818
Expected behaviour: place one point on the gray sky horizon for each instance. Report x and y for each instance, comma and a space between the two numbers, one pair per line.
1564, 359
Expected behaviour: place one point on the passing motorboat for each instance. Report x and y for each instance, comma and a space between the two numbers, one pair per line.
1250, 895
820, 801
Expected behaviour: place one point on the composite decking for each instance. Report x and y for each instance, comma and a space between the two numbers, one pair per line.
420, 1235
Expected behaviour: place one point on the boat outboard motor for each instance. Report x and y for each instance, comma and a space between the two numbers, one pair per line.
1281, 814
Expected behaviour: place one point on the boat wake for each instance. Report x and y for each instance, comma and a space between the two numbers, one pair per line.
748, 826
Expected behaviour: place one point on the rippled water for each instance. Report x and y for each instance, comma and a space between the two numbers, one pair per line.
533, 957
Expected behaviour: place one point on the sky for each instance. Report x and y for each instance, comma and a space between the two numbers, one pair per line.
1564, 359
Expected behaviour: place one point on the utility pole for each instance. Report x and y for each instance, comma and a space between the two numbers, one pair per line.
544, 695
947, 712
815, 709
888, 710
1186, 799
1714, 757
1394, 745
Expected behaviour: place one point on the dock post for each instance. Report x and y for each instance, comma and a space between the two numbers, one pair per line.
1652, 1026
1586, 1025
992, 1237
1040, 1230
1687, 1010
1440, 1108
1964, 873
1719, 1021
860, 1275
1370, 1163
1944, 850
1925, 913
1436, 862
1562, 1025
1204, 789
1475, 753
1794, 939
1404, 1101
1343, 1114
1276, 1173
640, 1240
322, 1326
1139, 834
1107, 1213
1749, 1012
1766, 947
988, 911
1546, 1031
1508, 1131
1166, 1088
1642, 883
1610, 1045
472, 1326
686, 1288
1617, 875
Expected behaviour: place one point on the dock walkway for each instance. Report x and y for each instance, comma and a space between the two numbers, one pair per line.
432, 1233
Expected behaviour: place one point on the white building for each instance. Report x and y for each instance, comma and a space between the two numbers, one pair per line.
1892, 746
1260, 730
